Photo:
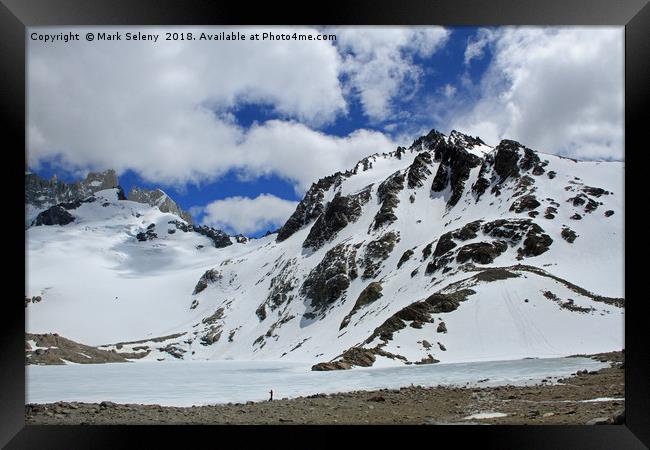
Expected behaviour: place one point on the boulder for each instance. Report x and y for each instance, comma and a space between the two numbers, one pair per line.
55, 215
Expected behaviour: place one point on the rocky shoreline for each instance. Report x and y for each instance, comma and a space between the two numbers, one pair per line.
595, 397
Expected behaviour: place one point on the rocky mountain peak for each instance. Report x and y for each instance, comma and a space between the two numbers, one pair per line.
98, 181
159, 199
42, 193
464, 140
428, 142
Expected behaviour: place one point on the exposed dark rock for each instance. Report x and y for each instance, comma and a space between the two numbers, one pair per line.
341, 211
551, 174
576, 216
370, 294
210, 276
77, 203
525, 203
211, 336
481, 252
420, 311
429, 142
512, 230
419, 170
591, 205
59, 349
482, 183
356, 356
387, 195
328, 281
429, 359
506, 158
445, 243
529, 161
142, 237
495, 274
538, 170
578, 200
426, 251
212, 318
455, 166
550, 213
56, 215
281, 285
439, 262
376, 252
464, 140
509, 160
569, 235
405, 257
336, 365
468, 231
594, 191
609, 213
173, 350
261, 312
219, 238
310, 207
442, 328
536, 242
271, 331
524, 184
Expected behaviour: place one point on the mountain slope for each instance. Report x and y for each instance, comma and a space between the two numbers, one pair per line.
449, 250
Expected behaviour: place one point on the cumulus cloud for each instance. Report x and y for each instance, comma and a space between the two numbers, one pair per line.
164, 109
378, 62
557, 90
248, 215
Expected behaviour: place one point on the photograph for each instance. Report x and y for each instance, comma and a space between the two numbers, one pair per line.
324, 225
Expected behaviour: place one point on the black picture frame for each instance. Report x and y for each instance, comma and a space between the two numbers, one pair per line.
16, 15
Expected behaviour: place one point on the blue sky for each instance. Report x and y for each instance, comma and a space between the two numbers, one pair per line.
235, 133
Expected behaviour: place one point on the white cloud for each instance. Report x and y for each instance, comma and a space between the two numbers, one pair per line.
248, 215
557, 90
163, 109
475, 47
379, 63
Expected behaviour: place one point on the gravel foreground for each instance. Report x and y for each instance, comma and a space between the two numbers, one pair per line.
564, 401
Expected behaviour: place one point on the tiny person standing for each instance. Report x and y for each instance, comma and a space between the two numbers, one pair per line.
271, 392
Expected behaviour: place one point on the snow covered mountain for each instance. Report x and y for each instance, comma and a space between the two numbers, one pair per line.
40, 194
448, 250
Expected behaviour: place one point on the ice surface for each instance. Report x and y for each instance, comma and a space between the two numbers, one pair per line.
186, 383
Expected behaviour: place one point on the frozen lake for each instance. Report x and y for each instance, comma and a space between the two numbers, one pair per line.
186, 383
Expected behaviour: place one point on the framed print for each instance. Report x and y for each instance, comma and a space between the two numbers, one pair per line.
376, 216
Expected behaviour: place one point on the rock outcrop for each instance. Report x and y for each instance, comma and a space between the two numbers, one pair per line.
158, 198
338, 213
310, 207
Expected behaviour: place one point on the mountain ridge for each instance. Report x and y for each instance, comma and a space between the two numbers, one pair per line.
414, 256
